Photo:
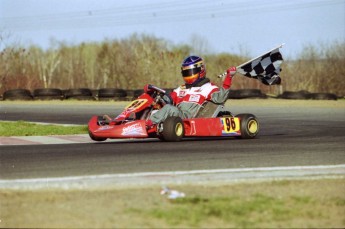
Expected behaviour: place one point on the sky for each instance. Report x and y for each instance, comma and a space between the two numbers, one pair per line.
248, 27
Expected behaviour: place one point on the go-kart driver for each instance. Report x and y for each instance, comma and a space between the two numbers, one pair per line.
188, 98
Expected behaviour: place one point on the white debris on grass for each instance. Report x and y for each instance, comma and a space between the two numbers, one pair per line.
172, 194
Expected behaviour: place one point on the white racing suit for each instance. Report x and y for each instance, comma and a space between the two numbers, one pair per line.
188, 101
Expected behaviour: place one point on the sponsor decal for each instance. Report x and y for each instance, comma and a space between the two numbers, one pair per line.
194, 98
105, 128
193, 128
124, 114
134, 129
121, 116
182, 93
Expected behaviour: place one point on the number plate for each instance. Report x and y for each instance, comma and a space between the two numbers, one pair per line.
136, 104
231, 125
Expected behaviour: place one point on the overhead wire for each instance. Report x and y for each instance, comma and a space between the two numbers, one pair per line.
155, 13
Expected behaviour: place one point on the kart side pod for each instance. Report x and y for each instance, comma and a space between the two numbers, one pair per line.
244, 126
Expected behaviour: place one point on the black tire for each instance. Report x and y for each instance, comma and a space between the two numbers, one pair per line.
48, 97
112, 92
17, 94
249, 126
323, 96
130, 95
81, 97
246, 93
295, 95
173, 129
94, 92
97, 139
234, 94
19, 97
48, 94
138, 92
78, 92
250, 93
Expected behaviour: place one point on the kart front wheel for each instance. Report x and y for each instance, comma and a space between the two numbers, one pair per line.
173, 129
249, 125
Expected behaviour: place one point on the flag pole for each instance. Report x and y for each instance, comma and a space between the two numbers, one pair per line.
223, 74
260, 55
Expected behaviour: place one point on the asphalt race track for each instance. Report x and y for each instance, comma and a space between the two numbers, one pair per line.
292, 133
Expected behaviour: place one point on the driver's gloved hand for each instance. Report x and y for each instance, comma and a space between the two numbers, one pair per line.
231, 72
228, 79
167, 99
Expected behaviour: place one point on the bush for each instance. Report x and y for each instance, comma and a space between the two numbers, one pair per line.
130, 63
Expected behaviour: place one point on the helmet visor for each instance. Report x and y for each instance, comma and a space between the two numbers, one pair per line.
190, 72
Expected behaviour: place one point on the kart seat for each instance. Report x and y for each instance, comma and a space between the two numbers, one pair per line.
209, 110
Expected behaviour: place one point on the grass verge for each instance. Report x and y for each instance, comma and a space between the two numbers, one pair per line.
316, 203
21, 128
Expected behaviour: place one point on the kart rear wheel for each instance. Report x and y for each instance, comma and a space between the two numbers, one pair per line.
249, 125
97, 139
173, 129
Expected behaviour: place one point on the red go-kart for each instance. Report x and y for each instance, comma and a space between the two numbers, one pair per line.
212, 120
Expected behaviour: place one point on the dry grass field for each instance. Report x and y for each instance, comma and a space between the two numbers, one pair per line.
307, 203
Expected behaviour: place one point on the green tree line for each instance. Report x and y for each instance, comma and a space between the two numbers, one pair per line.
139, 59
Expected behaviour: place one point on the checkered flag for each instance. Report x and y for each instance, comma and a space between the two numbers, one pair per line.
265, 67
